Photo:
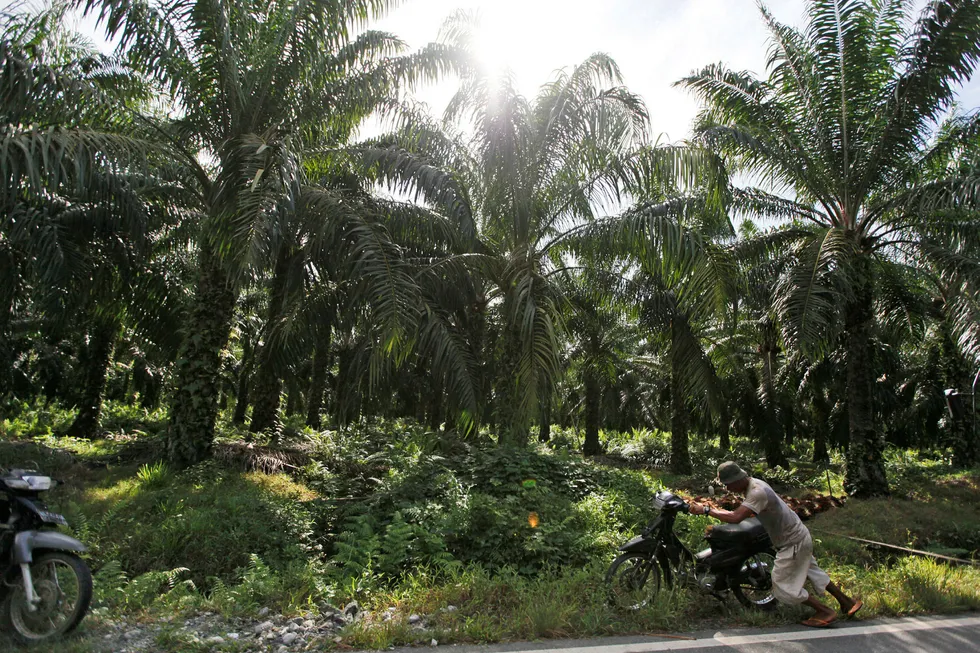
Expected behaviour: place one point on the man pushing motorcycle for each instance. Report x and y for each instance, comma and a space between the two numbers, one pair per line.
794, 545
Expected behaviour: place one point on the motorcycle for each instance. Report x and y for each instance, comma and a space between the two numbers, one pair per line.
45, 588
739, 559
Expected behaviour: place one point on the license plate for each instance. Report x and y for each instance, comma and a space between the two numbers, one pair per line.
52, 518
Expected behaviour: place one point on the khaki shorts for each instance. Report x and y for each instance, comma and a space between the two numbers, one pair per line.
794, 564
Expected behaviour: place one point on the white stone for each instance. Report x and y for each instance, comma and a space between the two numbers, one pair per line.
232, 635
338, 639
414, 619
434, 643
289, 638
262, 627
215, 639
263, 612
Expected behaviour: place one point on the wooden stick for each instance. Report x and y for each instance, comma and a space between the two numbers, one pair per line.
902, 548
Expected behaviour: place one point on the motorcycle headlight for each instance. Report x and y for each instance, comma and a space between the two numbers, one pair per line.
37, 483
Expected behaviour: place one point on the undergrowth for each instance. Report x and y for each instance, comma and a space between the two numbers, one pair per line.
491, 543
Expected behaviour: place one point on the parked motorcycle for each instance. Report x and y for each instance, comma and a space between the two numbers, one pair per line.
739, 559
45, 589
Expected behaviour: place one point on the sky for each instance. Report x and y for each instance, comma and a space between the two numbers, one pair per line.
655, 43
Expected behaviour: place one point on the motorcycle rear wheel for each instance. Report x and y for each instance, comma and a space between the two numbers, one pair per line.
632, 580
753, 584
64, 584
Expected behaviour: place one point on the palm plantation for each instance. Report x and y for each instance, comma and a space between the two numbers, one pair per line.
253, 168
479, 338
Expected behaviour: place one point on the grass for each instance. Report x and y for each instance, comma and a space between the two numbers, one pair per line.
943, 514
442, 528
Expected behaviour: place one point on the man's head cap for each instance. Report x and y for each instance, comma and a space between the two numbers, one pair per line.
729, 472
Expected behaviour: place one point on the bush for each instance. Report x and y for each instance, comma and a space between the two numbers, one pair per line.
205, 519
527, 509
651, 447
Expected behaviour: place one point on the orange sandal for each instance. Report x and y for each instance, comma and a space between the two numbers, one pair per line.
813, 622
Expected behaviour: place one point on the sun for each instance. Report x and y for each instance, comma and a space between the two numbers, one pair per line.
494, 44
509, 38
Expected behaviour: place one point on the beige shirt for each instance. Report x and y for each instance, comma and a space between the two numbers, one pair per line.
782, 524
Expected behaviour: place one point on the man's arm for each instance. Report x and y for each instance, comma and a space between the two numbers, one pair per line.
728, 516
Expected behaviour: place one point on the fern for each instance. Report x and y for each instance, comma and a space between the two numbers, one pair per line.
110, 585
357, 546
397, 546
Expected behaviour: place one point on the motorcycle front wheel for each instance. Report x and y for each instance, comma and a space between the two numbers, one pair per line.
63, 583
632, 580
753, 584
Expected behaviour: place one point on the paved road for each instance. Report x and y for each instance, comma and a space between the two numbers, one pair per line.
912, 635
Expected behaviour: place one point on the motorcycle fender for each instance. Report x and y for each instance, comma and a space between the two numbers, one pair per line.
640, 543
26, 542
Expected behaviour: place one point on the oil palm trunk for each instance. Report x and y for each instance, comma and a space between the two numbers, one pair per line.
865, 465
267, 391
241, 401
194, 407
771, 433
96, 365
680, 454
544, 430
592, 397
821, 422
512, 427
318, 383
724, 425
6, 350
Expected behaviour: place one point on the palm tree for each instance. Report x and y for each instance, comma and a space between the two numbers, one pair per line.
253, 84
685, 276
682, 308
318, 275
529, 172
758, 330
81, 228
600, 332
844, 121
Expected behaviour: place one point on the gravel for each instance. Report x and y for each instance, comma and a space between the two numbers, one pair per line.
267, 632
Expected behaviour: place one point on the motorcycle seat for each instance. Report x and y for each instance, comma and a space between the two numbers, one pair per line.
744, 531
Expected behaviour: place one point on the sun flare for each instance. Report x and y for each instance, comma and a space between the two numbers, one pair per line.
509, 36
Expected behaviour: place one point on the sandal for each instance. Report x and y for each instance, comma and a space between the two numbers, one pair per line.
814, 622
